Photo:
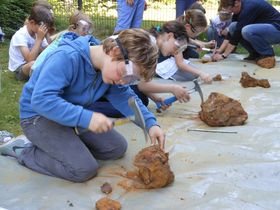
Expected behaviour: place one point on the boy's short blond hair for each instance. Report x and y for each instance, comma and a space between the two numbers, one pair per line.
141, 50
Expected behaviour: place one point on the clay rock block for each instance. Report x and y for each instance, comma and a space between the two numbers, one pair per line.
248, 81
153, 167
106, 204
220, 110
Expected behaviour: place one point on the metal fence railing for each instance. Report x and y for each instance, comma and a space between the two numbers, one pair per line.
104, 12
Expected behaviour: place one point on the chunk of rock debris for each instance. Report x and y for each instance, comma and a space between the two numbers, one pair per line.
106, 188
218, 77
248, 81
107, 204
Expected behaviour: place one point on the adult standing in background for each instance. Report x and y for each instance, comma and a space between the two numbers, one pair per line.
130, 14
256, 26
182, 5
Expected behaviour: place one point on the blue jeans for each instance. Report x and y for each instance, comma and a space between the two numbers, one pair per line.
258, 38
190, 53
182, 5
105, 107
57, 150
212, 34
129, 16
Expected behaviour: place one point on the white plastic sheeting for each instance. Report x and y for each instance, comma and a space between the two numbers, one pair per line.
212, 170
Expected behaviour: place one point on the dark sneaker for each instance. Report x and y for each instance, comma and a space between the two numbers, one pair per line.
251, 57
266, 62
14, 147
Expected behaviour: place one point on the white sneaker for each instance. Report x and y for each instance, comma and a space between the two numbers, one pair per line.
14, 147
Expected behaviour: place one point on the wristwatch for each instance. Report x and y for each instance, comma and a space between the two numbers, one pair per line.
224, 57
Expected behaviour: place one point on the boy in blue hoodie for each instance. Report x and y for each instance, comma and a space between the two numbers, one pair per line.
56, 97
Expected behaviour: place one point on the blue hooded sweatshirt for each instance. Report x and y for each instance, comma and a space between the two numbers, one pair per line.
66, 83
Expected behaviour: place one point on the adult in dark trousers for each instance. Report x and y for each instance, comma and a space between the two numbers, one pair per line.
256, 25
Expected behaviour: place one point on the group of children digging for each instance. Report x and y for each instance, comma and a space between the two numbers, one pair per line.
79, 81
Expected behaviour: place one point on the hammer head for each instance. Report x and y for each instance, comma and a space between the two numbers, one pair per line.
198, 89
138, 116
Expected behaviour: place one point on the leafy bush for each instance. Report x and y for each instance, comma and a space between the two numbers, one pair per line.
13, 14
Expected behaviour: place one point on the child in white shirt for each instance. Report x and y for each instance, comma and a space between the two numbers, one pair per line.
218, 28
27, 43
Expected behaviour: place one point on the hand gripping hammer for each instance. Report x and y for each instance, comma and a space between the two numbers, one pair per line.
172, 99
137, 119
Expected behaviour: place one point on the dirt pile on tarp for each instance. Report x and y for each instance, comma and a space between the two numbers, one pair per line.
220, 110
248, 81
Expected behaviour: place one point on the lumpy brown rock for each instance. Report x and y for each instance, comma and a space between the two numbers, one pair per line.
107, 204
248, 81
267, 62
153, 168
220, 110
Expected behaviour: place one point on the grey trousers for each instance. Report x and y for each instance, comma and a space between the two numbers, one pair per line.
57, 150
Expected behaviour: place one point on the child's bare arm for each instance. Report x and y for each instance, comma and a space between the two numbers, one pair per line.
154, 97
130, 2
180, 92
33, 54
223, 46
202, 44
188, 68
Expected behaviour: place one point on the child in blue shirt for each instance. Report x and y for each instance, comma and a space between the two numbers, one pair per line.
54, 101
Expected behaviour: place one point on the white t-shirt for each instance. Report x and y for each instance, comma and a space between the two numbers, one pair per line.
168, 67
219, 25
19, 39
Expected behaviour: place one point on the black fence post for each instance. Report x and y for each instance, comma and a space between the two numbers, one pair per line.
80, 4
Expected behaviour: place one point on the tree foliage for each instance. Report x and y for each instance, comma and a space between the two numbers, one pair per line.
13, 14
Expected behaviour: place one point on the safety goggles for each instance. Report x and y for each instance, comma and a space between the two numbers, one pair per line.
84, 27
129, 75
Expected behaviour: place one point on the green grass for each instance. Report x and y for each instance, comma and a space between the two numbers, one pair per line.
9, 94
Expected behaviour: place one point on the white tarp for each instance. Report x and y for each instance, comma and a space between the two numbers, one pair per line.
212, 170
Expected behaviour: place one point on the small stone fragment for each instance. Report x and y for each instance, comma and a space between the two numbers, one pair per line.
218, 77
248, 81
107, 204
106, 188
